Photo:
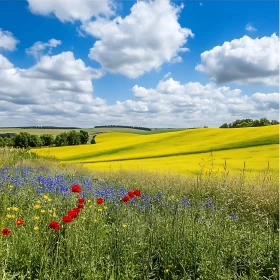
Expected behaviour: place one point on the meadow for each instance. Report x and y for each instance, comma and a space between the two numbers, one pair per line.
184, 152
60, 220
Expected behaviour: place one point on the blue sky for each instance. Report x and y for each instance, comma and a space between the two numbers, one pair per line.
121, 62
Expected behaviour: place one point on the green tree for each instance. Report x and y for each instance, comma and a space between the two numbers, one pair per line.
22, 140
84, 137
264, 122
47, 139
2, 142
225, 125
73, 138
273, 122
93, 140
61, 139
34, 141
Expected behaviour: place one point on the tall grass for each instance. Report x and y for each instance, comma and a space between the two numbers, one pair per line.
213, 226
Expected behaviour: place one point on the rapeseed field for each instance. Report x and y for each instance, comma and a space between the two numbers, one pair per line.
186, 151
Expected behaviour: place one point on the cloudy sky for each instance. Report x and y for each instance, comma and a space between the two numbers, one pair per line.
146, 63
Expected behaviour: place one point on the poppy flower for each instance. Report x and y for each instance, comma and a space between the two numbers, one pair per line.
77, 210
19, 222
80, 205
81, 200
76, 189
99, 200
6, 231
125, 198
54, 225
73, 214
130, 194
137, 192
67, 219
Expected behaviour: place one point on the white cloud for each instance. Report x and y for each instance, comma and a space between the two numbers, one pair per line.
37, 50
244, 60
71, 10
7, 40
250, 27
142, 41
58, 90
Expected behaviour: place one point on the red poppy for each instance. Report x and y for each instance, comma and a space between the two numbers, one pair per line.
76, 189
54, 225
6, 231
99, 200
81, 200
81, 206
73, 214
137, 192
77, 210
130, 194
125, 198
19, 222
67, 219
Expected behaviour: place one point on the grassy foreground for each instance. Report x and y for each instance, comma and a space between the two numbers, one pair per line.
213, 226
181, 151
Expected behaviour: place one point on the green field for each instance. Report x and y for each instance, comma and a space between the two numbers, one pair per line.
185, 151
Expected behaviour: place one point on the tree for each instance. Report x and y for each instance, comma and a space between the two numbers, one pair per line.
84, 137
61, 139
225, 125
273, 122
47, 140
22, 140
73, 138
2, 142
34, 141
264, 122
93, 140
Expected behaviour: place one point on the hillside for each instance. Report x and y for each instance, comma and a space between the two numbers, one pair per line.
180, 151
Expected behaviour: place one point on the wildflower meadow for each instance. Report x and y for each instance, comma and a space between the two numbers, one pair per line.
57, 222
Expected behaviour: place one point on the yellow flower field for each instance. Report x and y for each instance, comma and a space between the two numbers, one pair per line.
182, 151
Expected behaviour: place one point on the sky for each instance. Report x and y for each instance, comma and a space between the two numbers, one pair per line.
157, 63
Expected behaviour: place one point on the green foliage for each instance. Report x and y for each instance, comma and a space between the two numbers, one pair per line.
73, 138
61, 139
93, 140
84, 136
22, 140
249, 123
34, 141
47, 139
2, 142
227, 231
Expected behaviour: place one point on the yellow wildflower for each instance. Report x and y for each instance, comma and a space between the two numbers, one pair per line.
54, 215
36, 228
124, 225
8, 209
43, 211
36, 218
37, 206
9, 216
50, 211
90, 206
15, 209
100, 210
83, 218
166, 270
94, 220
89, 201
49, 199
46, 197
38, 201
11, 187
105, 207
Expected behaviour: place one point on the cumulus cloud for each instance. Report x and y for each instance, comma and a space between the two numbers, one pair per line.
142, 41
37, 50
249, 27
244, 60
72, 10
7, 40
40, 96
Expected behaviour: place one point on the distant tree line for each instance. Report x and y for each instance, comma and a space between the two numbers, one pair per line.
26, 140
123, 126
249, 123
43, 127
